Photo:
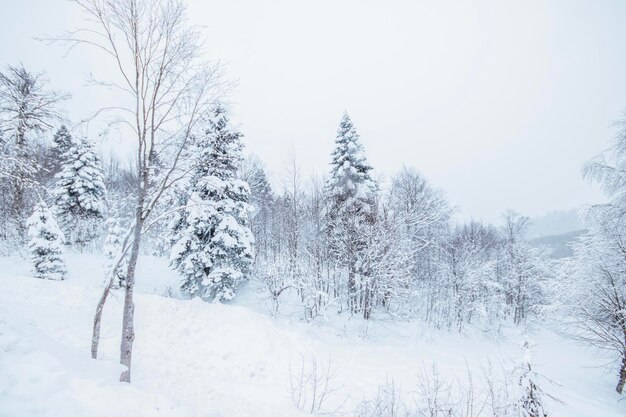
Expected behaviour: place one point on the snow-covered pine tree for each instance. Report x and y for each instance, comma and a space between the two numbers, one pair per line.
80, 192
112, 249
61, 143
212, 244
351, 205
530, 403
62, 140
45, 245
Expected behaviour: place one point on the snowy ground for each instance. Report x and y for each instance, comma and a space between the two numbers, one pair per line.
197, 359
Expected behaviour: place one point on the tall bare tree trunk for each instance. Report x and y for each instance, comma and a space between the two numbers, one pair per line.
160, 67
19, 177
622, 375
352, 301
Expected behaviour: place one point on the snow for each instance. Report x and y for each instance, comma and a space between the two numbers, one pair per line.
194, 358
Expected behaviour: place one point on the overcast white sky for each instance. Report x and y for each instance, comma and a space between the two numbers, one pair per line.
498, 103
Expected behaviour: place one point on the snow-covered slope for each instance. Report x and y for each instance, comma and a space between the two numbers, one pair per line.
197, 359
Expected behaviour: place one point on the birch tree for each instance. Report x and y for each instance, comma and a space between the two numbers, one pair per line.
166, 89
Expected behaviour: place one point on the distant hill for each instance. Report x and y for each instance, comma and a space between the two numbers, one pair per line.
555, 223
559, 244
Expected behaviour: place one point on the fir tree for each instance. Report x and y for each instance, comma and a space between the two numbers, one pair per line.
45, 245
530, 403
80, 192
62, 140
350, 207
212, 244
350, 186
51, 157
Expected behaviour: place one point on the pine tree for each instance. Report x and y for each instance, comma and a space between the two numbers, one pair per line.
62, 140
112, 250
350, 194
530, 403
350, 185
45, 244
80, 192
61, 143
212, 244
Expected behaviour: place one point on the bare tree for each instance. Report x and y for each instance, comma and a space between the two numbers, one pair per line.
595, 290
26, 106
314, 386
168, 88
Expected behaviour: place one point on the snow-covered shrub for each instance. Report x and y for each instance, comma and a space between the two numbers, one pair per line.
45, 245
388, 402
314, 387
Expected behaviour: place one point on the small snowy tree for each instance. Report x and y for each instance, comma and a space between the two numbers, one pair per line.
80, 191
62, 140
112, 250
530, 403
212, 244
45, 244
61, 143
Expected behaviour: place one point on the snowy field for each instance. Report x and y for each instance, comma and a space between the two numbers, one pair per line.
198, 359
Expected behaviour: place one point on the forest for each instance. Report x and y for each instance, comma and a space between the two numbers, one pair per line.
348, 246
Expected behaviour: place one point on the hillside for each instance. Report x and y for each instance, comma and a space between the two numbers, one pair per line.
560, 245
209, 359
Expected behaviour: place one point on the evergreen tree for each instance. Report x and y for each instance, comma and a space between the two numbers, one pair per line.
212, 244
350, 186
62, 140
530, 403
80, 192
61, 143
112, 250
45, 245
351, 208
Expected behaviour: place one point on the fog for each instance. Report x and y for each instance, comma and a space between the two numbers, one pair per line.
498, 103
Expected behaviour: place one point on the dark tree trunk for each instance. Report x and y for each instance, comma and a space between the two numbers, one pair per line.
17, 206
352, 296
622, 375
